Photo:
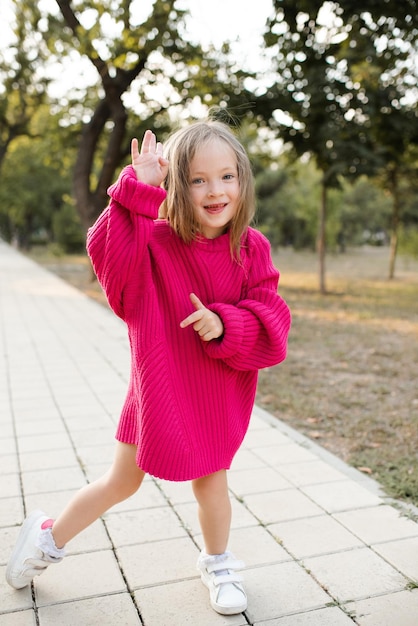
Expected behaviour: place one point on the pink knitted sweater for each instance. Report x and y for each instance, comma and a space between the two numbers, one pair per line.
189, 402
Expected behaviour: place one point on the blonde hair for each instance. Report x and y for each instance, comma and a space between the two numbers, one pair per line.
177, 208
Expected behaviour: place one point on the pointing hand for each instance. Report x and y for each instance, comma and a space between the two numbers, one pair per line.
204, 321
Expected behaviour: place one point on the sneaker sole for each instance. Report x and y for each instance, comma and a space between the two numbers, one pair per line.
20, 547
223, 610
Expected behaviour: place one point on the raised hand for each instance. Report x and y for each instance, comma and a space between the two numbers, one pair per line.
150, 166
205, 322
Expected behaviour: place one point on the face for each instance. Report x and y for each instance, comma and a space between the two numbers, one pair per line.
214, 187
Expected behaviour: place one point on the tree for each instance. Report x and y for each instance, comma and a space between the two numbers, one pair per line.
153, 56
23, 86
317, 101
36, 179
287, 202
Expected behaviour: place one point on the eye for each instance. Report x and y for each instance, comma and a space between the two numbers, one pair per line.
197, 181
228, 177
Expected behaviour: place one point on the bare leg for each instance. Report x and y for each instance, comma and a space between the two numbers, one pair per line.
214, 509
122, 480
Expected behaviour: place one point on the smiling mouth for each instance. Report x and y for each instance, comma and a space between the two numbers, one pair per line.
215, 208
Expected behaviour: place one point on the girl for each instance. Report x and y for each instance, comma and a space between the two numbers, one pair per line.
197, 289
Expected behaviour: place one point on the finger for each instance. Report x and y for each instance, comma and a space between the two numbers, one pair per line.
196, 302
148, 142
134, 149
191, 319
207, 336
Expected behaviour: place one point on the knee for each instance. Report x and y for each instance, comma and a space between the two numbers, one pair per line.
122, 487
211, 489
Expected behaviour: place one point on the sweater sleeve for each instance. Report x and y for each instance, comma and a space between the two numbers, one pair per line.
256, 329
117, 242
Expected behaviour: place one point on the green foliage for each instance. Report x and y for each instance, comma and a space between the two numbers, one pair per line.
144, 62
362, 207
408, 241
345, 80
22, 82
35, 178
288, 197
67, 229
287, 204
344, 90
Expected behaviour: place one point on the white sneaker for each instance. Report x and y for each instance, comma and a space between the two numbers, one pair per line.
28, 559
227, 595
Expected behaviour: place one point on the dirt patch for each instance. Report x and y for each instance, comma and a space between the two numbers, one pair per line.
350, 381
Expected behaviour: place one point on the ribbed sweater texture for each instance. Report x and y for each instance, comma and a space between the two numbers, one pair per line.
189, 402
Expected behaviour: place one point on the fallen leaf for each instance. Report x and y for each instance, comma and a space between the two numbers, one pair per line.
316, 434
365, 470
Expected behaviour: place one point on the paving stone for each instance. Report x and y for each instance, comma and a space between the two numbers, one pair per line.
241, 517
184, 603
92, 539
377, 524
313, 536
9, 485
310, 473
132, 527
8, 538
246, 459
277, 590
290, 453
6, 428
22, 618
94, 436
283, 505
46, 480
332, 616
402, 554
355, 574
244, 482
341, 496
255, 546
113, 610
8, 464
158, 562
52, 503
11, 511
11, 599
80, 576
46, 442
38, 460
148, 496
39, 427
397, 609
258, 421
7, 445
96, 455
267, 436
177, 492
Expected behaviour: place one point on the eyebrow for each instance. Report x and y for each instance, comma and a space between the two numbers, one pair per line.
228, 168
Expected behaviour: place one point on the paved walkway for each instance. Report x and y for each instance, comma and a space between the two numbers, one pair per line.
322, 544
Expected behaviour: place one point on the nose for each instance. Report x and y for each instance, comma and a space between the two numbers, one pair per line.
215, 188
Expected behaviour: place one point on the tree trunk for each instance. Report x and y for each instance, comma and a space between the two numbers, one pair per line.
91, 201
321, 242
396, 220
